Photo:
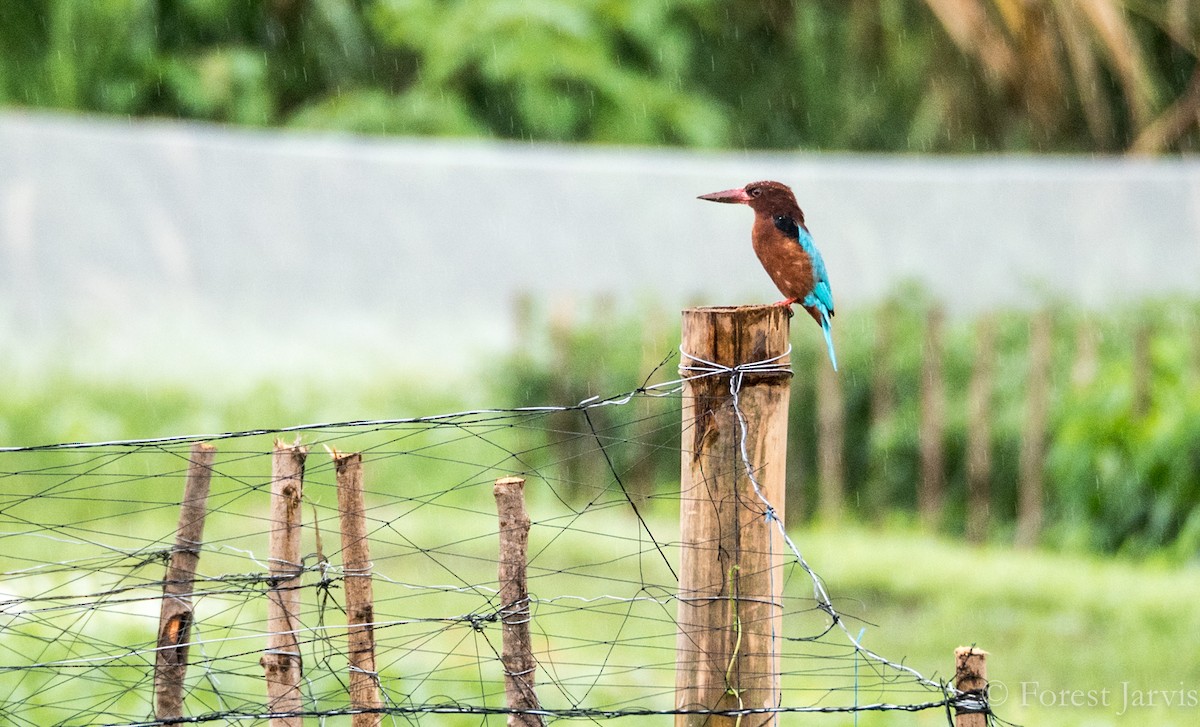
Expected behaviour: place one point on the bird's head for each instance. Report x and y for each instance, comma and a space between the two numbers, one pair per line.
768, 198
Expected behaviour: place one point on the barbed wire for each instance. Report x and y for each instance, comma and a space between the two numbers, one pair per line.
87, 527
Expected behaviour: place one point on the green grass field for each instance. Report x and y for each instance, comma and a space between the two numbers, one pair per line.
1074, 640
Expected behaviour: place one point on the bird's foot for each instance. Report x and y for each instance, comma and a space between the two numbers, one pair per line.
786, 302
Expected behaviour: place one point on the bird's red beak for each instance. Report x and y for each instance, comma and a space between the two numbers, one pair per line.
731, 196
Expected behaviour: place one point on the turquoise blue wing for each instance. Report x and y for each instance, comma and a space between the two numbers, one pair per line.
822, 294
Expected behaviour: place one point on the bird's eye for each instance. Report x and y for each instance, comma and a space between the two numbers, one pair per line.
756, 192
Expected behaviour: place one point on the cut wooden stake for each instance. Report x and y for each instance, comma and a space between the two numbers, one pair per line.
517, 652
360, 604
731, 551
175, 617
970, 677
281, 661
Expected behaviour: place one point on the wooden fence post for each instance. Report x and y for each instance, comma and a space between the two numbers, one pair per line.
979, 430
831, 444
1087, 353
970, 677
1143, 369
731, 553
175, 617
1033, 438
932, 488
879, 497
360, 601
517, 650
883, 383
281, 661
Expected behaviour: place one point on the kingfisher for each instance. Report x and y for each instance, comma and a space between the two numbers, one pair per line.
786, 250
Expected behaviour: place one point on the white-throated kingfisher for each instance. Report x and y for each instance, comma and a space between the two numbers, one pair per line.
786, 249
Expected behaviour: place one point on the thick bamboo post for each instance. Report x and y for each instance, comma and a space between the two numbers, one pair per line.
931, 491
175, 617
970, 677
517, 651
979, 431
1033, 439
360, 600
831, 444
731, 552
281, 661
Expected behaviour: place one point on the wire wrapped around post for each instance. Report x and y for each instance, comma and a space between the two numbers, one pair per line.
175, 617
520, 667
360, 600
970, 678
733, 466
281, 661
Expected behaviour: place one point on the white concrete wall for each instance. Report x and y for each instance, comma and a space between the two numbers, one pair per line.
134, 238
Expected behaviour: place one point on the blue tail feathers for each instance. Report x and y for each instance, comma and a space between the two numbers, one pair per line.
828, 339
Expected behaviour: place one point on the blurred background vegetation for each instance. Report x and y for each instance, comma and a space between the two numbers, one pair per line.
1121, 409
865, 75
1121, 435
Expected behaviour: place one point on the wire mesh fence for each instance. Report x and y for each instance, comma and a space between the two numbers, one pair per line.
87, 531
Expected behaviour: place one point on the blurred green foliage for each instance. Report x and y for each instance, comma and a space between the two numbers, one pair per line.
1118, 479
1052, 621
885, 75
1134, 466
